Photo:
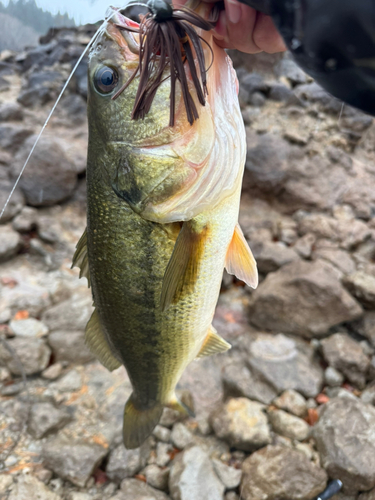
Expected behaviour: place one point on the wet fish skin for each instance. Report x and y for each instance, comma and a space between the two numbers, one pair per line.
155, 275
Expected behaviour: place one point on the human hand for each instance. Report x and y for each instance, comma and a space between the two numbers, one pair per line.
243, 28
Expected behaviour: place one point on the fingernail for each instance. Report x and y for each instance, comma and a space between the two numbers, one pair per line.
234, 12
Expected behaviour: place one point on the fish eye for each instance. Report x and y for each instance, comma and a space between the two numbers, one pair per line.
105, 79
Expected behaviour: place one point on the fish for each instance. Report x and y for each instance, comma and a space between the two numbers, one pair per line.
162, 223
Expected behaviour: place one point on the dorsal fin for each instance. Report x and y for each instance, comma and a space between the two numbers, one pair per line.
80, 258
213, 344
98, 345
240, 260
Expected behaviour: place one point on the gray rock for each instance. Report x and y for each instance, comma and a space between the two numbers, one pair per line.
29, 327
229, 476
368, 395
6, 482
276, 472
271, 256
157, 477
303, 246
312, 92
26, 220
162, 433
284, 365
242, 423
74, 461
16, 202
70, 382
288, 425
181, 436
10, 243
46, 419
293, 402
368, 329
346, 429
69, 345
192, 477
50, 177
333, 377
257, 99
253, 82
347, 356
231, 495
362, 286
239, 380
10, 111
123, 463
289, 69
302, 298
280, 92
163, 456
33, 354
13, 136
52, 372
132, 489
28, 487
369, 495
72, 314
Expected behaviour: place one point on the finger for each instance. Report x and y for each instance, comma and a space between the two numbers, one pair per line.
266, 36
240, 23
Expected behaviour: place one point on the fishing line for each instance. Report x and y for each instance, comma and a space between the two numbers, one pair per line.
110, 12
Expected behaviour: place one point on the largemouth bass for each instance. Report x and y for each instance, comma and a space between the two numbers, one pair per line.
163, 207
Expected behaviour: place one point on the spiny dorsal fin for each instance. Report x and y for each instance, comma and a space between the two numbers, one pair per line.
240, 260
80, 258
213, 344
182, 270
98, 345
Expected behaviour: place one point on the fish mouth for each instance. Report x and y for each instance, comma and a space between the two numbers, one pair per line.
123, 31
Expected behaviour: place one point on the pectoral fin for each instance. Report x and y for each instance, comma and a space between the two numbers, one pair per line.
240, 260
213, 344
98, 345
80, 258
182, 270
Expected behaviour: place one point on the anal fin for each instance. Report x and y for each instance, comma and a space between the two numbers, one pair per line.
240, 260
213, 344
182, 270
80, 258
98, 345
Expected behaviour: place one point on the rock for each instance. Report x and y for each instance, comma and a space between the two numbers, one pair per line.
10, 243
156, 477
75, 495
240, 380
346, 429
280, 92
289, 69
338, 258
132, 489
49, 178
283, 363
192, 477
163, 454
13, 136
10, 111
369, 495
231, 495
368, 395
181, 436
302, 298
362, 286
26, 220
53, 372
16, 202
74, 461
288, 425
292, 402
229, 476
162, 433
332, 377
70, 382
257, 99
72, 314
123, 463
46, 419
313, 92
5, 483
28, 487
276, 472
271, 256
69, 345
242, 423
303, 246
30, 327
347, 356
32, 353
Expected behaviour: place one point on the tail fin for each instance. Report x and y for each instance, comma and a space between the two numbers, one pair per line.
139, 424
